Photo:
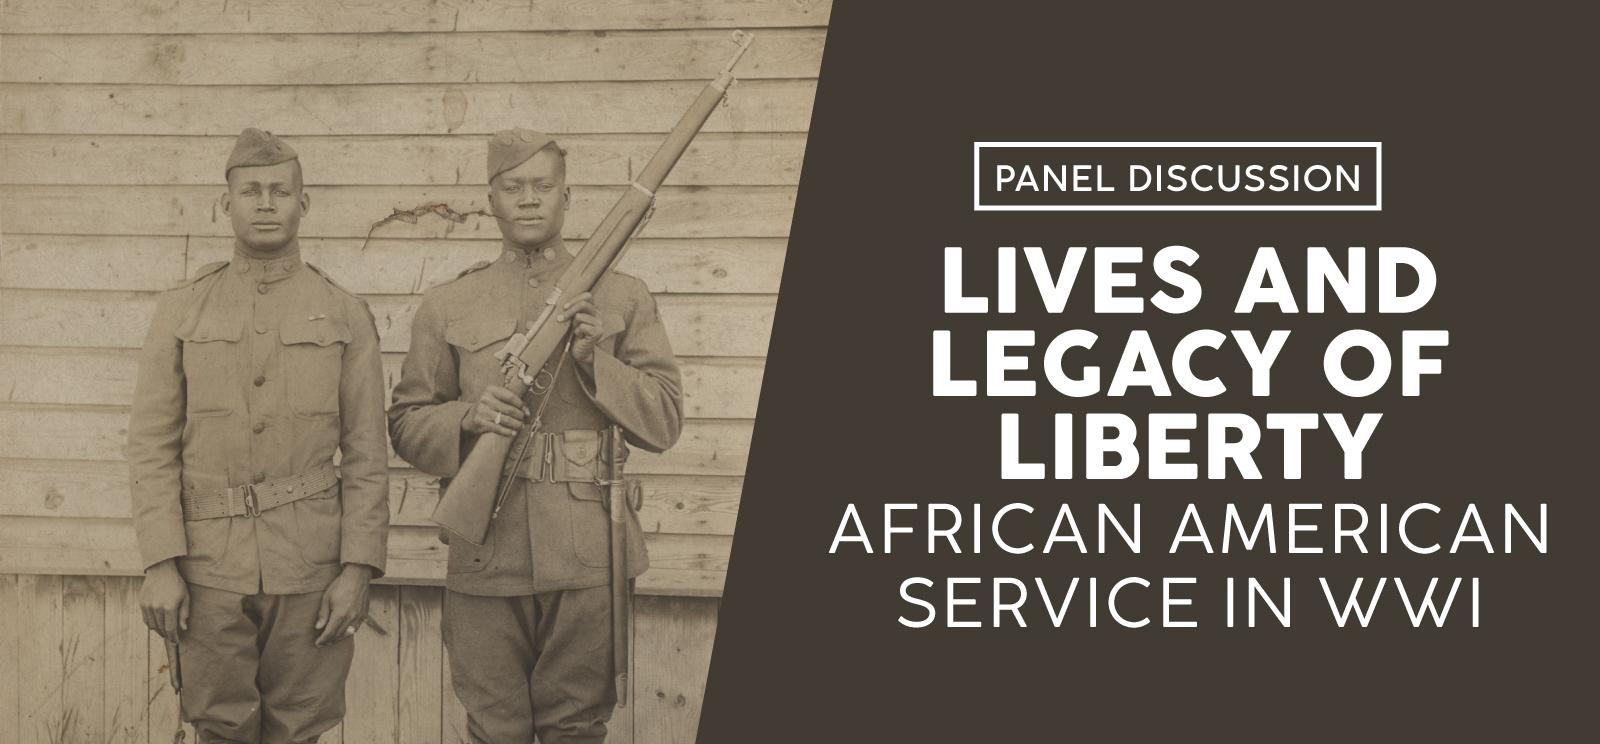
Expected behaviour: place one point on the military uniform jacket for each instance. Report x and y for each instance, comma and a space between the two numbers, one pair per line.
257, 371
549, 535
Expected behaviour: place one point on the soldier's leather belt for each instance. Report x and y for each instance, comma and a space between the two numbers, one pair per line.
573, 456
252, 499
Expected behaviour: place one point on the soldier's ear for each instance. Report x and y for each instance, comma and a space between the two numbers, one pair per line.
305, 202
566, 197
227, 201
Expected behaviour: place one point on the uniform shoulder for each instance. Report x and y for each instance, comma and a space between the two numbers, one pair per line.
475, 267
464, 273
459, 284
627, 285
625, 290
329, 279
356, 309
178, 300
186, 289
202, 274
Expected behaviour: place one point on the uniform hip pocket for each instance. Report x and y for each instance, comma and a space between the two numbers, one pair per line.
317, 527
207, 539
468, 558
591, 527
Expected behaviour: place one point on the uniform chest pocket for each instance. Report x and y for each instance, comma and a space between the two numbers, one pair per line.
313, 354
211, 362
476, 340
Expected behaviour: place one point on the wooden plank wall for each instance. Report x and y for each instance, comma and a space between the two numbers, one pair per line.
116, 118
77, 666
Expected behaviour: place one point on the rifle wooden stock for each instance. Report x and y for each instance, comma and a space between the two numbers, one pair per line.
469, 501
471, 494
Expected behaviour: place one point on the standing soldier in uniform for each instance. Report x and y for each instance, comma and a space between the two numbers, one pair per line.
527, 616
257, 553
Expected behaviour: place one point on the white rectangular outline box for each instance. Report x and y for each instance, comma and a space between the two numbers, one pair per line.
979, 206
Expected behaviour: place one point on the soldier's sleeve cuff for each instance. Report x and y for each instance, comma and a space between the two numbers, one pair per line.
153, 551
363, 552
633, 400
377, 572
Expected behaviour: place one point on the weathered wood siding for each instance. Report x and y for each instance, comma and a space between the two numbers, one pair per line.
77, 666
116, 119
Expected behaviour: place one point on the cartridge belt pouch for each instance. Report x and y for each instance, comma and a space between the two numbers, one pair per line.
576, 455
251, 499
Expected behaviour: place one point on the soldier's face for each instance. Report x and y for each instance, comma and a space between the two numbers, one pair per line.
530, 200
265, 203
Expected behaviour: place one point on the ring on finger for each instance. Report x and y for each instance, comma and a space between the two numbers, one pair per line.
497, 415
351, 630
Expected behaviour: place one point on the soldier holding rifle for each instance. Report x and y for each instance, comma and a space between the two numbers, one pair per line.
527, 614
524, 374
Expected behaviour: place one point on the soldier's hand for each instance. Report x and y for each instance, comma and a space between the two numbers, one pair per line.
164, 600
587, 327
344, 604
498, 410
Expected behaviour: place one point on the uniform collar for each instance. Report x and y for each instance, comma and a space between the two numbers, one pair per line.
538, 264
281, 266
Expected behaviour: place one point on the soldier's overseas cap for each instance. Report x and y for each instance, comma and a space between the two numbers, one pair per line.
255, 147
509, 148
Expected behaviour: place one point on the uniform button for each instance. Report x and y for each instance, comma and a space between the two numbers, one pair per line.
532, 282
261, 329
259, 478
261, 288
260, 380
260, 427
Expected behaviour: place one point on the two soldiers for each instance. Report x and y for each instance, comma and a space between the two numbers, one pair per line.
259, 555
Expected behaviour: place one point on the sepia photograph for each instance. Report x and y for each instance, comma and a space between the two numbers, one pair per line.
382, 371
568, 372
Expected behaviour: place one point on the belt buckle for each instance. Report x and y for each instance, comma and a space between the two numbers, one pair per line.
252, 508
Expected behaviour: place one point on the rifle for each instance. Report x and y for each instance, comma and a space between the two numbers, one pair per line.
475, 495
